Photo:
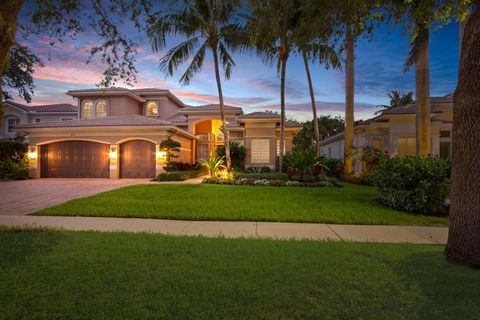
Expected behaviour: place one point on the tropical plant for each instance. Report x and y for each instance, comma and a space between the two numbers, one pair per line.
354, 19
396, 100
271, 25
305, 162
213, 164
170, 146
207, 25
237, 154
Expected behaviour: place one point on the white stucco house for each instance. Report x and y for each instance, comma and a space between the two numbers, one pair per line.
17, 114
393, 131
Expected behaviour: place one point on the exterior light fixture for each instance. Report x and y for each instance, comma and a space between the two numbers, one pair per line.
113, 153
32, 153
161, 154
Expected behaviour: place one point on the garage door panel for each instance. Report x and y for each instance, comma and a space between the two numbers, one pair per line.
137, 159
75, 159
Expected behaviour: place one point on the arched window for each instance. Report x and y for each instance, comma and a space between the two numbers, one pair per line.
88, 110
152, 109
101, 109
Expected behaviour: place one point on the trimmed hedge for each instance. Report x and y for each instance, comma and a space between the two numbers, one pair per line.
262, 175
324, 182
179, 175
414, 184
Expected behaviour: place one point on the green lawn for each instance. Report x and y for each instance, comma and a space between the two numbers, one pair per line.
352, 204
88, 275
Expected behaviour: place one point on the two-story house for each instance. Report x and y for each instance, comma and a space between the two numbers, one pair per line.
118, 131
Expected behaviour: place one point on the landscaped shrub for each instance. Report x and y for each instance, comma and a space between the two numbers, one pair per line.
179, 175
264, 175
258, 169
182, 166
334, 166
304, 165
325, 182
415, 184
13, 160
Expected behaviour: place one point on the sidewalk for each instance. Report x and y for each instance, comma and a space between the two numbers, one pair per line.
233, 229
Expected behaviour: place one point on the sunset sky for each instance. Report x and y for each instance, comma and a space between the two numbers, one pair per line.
255, 86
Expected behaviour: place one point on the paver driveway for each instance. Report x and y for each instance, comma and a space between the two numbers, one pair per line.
26, 196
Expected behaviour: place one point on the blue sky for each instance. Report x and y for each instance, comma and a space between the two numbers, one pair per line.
255, 86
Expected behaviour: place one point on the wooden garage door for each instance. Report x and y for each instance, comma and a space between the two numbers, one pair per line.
74, 159
137, 159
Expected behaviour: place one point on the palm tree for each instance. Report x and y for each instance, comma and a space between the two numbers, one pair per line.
396, 100
271, 26
355, 18
419, 56
207, 25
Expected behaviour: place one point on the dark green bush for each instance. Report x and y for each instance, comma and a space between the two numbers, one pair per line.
179, 175
13, 160
415, 184
182, 166
237, 153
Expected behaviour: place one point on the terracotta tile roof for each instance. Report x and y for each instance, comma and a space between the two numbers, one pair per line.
293, 124
59, 107
260, 115
210, 107
130, 120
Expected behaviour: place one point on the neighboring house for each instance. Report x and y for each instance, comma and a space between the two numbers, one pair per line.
118, 133
393, 131
16, 114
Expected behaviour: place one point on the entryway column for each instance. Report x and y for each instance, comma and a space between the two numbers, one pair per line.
160, 161
114, 173
33, 162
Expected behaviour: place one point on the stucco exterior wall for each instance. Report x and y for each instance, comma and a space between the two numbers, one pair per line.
118, 106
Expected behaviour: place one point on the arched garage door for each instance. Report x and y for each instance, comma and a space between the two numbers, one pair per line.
74, 159
137, 159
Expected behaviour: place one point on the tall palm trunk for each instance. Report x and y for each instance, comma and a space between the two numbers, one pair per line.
282, 111
222, 111
316, 131
9, 11
349, 102
422, 101
463, 244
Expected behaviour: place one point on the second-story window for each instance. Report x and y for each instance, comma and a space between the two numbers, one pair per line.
101, 109
152, 109
88, 111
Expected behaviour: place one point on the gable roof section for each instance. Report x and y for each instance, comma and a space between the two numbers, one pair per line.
411, 108
260, 115
46, 108
136, 94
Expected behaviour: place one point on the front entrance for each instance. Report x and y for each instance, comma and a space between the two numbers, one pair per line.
74, 159
137, 159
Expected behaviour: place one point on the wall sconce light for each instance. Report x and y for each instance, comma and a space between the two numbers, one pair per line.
161, 154
113, 153
32, 153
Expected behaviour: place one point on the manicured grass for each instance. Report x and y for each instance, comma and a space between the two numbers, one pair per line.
88, 275
352, 204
